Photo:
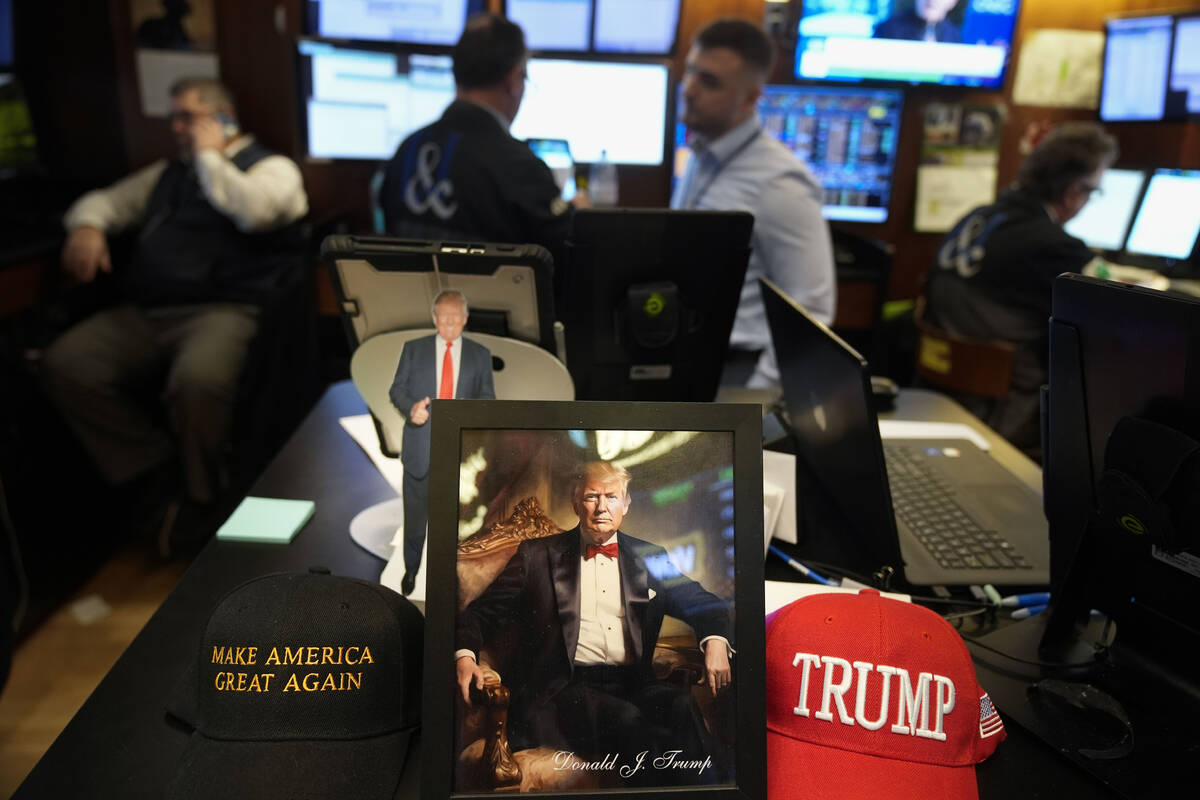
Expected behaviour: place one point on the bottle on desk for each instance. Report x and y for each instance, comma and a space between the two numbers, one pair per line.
602, 182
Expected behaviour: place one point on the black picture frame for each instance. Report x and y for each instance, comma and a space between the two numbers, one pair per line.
543, 424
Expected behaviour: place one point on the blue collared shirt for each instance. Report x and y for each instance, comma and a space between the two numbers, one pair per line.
748, 170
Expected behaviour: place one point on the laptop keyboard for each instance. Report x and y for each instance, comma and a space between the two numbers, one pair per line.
928, 508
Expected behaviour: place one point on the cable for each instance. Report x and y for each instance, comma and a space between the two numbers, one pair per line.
1036, 662
803, 570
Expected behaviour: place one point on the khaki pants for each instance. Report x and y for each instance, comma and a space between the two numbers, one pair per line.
138, 385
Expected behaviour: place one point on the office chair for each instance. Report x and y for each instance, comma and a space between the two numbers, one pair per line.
959, 364
863, 269
520, 371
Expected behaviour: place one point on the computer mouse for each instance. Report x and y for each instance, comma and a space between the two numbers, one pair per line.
883, 391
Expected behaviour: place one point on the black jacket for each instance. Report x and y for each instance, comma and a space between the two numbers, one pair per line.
189, 252
465, 178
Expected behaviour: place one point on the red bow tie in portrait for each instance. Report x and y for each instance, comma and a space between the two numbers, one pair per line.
609, 550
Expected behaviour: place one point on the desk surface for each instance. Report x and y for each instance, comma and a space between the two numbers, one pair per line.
120, 744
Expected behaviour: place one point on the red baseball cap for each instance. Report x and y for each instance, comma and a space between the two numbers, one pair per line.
872, 697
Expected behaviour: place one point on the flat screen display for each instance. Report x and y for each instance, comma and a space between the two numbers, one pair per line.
636, 26
18, 142
361, 103
553, 24
7, 56
605, 26
1104, 221
435, 22
1137, 56
620, 108
846, 136
956, 42
1168, 220
1185, 63
556, 153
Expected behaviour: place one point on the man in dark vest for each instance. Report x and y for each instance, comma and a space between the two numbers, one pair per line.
464, 177
154, 378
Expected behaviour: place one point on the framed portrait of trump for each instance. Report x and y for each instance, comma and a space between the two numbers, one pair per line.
595, 603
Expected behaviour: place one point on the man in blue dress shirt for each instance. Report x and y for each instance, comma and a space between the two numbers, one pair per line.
735, 166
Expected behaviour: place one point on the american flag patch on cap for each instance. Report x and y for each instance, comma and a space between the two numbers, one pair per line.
989, 719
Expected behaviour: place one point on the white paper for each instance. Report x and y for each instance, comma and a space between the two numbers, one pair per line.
779, 593
362, 430
159, 69
1059, 68
910, 429
945, 193
779, 496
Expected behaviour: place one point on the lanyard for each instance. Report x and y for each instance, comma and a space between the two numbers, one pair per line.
720, 166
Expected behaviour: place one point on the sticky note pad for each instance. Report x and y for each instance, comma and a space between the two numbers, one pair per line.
266, 519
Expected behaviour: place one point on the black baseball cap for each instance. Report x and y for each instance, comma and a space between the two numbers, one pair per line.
307, 685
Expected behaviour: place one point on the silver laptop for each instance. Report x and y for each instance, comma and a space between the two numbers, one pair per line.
942, 509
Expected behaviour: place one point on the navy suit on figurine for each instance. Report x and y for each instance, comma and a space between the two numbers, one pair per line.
415, 384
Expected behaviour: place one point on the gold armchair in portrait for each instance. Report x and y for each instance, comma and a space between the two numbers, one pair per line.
486, 761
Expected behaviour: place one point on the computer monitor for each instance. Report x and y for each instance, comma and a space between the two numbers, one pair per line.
636, 26
605, 26
433, 22
1137, 57
556, 153
1168, 221
1104, 221
1120, 352
7, 37
652, 295
361, 103
1123, 423
890, 40
1185, 64
18, 141
611, 106
846, 136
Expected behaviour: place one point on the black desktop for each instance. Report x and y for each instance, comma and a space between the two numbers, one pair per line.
1122, 489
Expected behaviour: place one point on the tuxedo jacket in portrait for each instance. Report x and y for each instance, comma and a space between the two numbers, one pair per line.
539, 588
416, 377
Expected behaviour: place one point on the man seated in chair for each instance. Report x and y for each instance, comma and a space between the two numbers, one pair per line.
154, 379
589, 604
445, 366
993, 273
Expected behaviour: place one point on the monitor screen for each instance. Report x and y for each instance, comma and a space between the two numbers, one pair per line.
18, 142
7, 56
620, 108
556, 153
1137, 53
1169, 218
1104, 221
436, 22
553, 24
847, 137
959, 42
636, 26
607, 26
363, 103
1185, 62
